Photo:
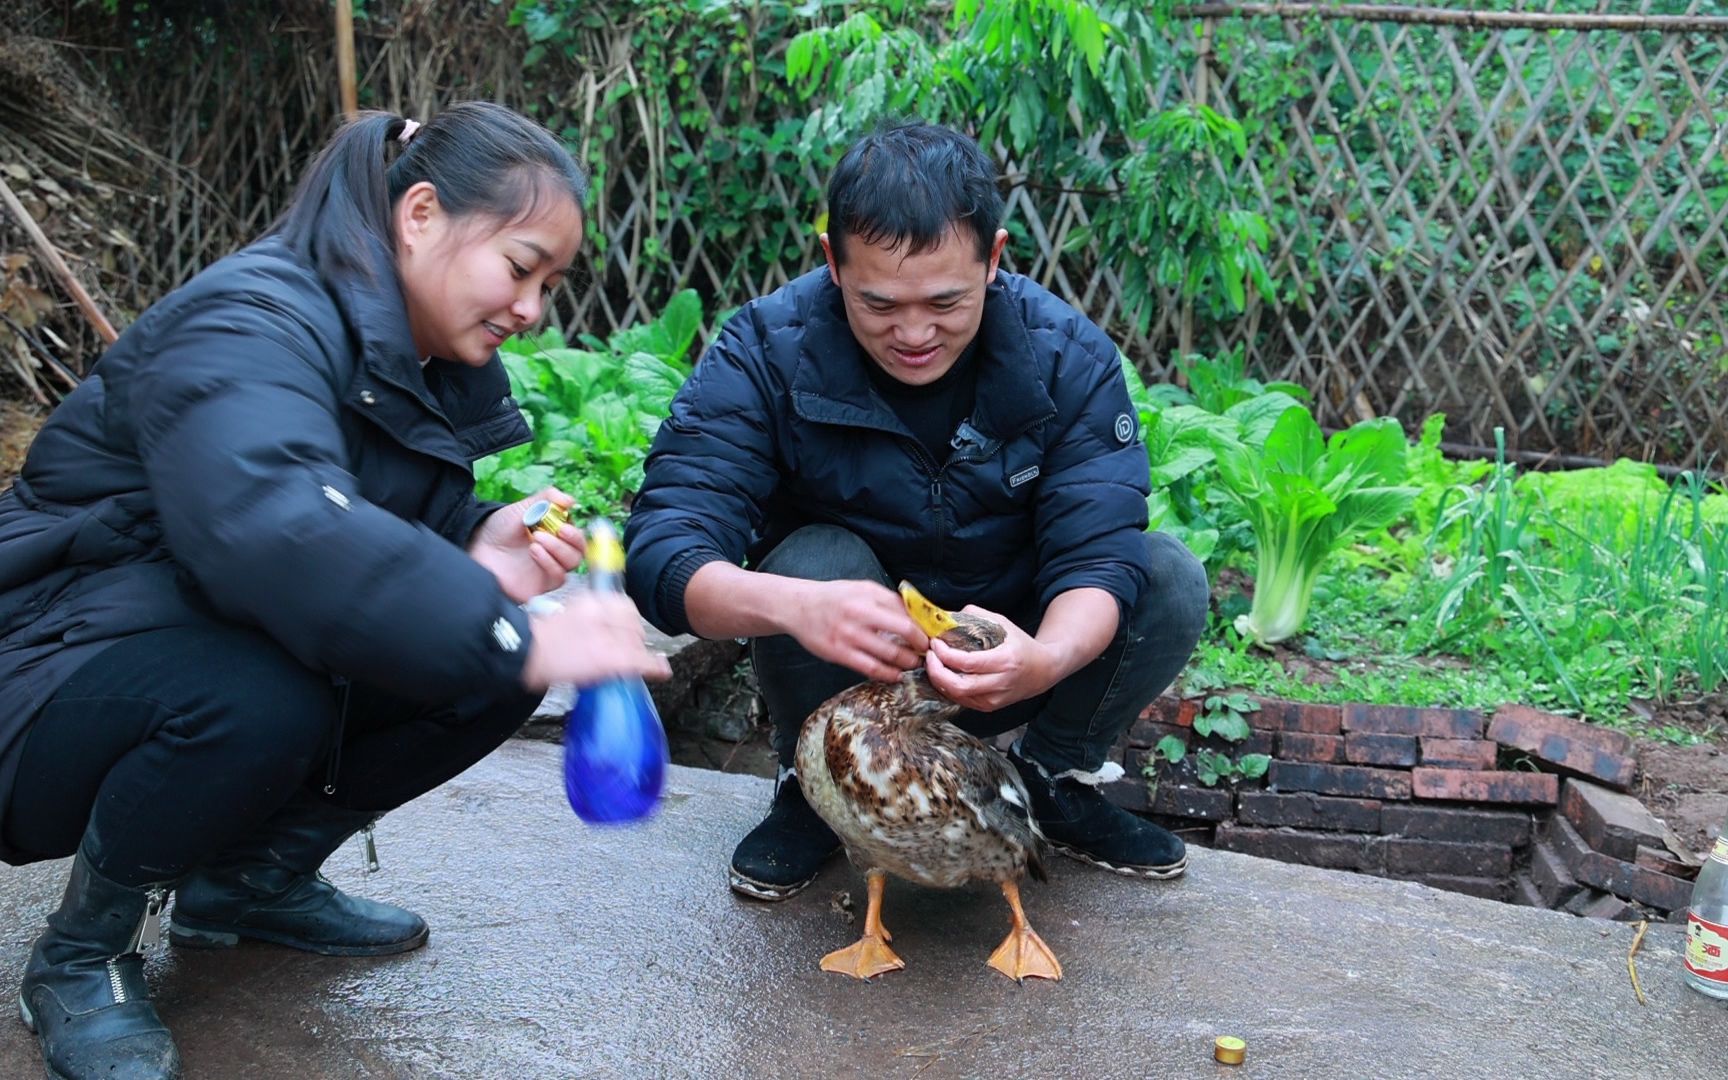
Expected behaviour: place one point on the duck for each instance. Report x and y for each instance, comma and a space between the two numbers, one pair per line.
912, 795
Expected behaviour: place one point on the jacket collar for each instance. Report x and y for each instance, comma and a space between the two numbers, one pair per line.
832, 386
471, 413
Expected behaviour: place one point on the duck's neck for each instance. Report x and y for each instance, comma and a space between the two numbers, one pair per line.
920, 702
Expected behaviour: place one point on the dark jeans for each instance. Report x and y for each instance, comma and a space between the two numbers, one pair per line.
1072, 726
175, 743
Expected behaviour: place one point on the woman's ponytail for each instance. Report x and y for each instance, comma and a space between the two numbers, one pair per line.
339, 217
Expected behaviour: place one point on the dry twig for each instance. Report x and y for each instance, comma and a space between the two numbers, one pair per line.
57, 265
1632, 967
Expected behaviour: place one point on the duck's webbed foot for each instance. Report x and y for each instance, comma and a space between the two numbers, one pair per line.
870, 955
1023, 954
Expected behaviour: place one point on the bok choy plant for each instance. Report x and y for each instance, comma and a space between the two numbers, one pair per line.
1304, 497
594, 410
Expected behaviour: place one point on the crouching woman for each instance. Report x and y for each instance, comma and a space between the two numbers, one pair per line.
248, 600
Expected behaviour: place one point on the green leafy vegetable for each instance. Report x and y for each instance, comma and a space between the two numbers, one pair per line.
594, 411
1303, 499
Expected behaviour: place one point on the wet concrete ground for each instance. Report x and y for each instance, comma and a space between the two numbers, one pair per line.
563, 951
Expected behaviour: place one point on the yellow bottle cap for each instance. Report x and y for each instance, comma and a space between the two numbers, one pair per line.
605, 553
1229, 1049
545, 515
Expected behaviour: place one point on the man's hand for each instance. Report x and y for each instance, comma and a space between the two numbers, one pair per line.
1076, 629
1019, 668
861, 625
858, 624
526, 563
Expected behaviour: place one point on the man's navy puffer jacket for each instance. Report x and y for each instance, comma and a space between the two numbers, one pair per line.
779, 427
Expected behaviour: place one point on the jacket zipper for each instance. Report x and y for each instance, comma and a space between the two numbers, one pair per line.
334, 762
934, 472
941, 518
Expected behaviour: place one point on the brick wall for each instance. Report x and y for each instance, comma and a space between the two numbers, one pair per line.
1521, 805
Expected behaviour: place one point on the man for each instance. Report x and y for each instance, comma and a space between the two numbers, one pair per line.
910, 412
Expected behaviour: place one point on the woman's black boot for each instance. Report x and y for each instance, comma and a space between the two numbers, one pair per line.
84, 993
268, 888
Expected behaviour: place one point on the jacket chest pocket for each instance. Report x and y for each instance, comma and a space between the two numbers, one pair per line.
1006, 483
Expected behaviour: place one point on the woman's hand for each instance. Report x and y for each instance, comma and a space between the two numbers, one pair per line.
594, 637
527, 563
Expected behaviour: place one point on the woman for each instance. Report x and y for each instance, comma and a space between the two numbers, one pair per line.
248, 601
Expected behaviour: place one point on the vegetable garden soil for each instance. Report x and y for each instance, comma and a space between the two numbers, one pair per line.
1686, 786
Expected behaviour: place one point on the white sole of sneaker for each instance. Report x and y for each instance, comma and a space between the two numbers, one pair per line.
1154, 873
756, 890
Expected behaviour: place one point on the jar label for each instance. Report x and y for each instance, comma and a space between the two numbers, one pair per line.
1706, 949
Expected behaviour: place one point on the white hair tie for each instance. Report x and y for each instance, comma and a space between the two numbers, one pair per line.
409, 127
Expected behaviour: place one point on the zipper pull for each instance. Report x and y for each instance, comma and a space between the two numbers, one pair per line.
149, 930
369, 848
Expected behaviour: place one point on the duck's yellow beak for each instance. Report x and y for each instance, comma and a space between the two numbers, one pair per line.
931, 619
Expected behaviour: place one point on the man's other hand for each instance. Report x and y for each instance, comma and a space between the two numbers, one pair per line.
1013, 671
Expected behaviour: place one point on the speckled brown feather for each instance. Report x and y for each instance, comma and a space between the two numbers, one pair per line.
910, 793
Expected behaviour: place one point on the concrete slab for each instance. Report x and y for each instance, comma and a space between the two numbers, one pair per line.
563, 951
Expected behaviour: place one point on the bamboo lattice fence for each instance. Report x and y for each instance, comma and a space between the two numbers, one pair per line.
1513, 218
1529, 214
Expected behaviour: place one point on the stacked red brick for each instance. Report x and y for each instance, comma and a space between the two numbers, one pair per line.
1406, 793
1605, 855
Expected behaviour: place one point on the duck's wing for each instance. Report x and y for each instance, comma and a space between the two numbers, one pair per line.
990, 787
865, 747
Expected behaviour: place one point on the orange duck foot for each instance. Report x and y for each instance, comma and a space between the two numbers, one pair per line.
1023, 955
865, 958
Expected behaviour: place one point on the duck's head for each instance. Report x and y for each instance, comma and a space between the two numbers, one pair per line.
965, 632
969, 633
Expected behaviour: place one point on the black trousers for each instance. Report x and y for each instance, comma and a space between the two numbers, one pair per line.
175, 743
1072, 726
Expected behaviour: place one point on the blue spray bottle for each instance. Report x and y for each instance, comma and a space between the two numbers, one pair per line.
614, 746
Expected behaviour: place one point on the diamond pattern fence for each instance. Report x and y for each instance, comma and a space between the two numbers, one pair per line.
1513, 218
1521, 226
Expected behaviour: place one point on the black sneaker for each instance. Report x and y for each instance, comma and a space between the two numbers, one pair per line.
782, 856
1082, 824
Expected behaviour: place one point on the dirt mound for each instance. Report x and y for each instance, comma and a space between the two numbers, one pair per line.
1687, 786
40, 86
